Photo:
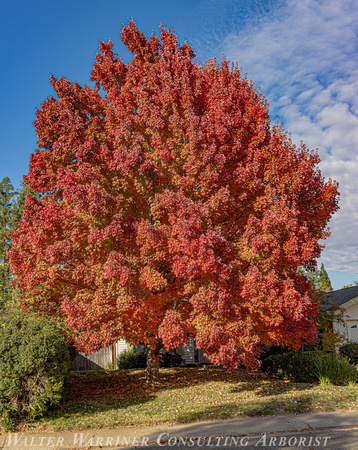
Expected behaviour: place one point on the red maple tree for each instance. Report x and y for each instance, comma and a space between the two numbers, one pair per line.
170, 207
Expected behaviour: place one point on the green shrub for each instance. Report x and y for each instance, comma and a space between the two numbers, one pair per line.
310, 366
130, 359
332, 369
294, 366
34, 366
350, 352
170, 359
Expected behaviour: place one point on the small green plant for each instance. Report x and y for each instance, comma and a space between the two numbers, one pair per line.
324, 380
34, 366
350, 352
332, 369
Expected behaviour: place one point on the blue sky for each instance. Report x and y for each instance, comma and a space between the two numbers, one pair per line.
303, 55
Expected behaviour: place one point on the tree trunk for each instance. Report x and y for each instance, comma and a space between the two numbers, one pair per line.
153, 365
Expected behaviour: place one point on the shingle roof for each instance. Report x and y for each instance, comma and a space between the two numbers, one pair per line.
338, 298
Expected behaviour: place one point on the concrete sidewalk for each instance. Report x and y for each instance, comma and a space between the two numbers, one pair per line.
164, 435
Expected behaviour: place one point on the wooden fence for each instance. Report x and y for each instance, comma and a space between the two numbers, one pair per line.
103, 359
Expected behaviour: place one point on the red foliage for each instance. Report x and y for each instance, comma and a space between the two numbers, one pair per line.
170, 207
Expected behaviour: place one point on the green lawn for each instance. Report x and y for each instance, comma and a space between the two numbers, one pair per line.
114, 398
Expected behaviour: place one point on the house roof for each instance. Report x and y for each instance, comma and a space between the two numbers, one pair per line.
340, 297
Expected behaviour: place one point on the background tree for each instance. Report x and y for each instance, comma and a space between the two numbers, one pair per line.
320, 279
170, 207
328, 339
323, 281
6, 197
18, 203
11, 207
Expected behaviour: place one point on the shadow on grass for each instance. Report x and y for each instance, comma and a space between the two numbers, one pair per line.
93, 394
129, 385
119, 389
271, 387
265, 407
89, 408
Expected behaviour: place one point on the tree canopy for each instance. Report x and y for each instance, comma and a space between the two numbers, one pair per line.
171, 207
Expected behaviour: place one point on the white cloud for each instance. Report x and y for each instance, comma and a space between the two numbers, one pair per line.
304, 58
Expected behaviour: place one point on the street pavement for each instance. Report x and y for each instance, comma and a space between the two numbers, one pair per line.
334, 430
